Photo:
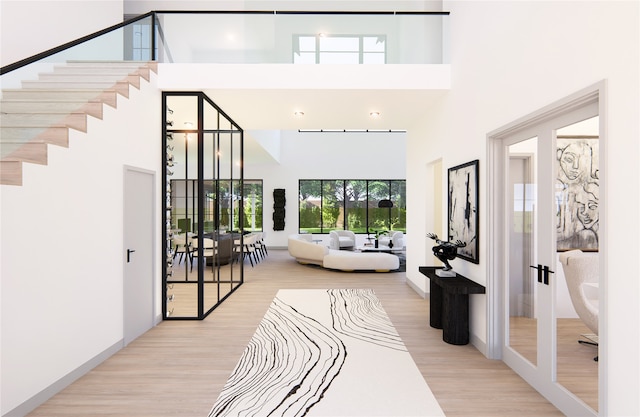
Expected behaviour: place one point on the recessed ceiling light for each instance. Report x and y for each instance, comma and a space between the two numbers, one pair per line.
374, 114
298, 113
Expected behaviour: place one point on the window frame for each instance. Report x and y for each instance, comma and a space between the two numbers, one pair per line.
318, 51
373, 216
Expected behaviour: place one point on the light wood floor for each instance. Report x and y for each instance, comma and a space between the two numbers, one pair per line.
178, 368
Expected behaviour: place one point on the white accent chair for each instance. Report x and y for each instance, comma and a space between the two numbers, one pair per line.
580, 269
249, 249
261, 247
393, 236
342, 239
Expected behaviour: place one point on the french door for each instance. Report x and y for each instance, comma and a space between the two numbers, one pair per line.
531, 281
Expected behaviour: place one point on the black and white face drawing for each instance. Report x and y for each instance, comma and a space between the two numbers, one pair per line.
577, 194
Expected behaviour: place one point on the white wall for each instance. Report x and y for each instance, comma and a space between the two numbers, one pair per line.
508, 60
62, 248
33, 26
324, 156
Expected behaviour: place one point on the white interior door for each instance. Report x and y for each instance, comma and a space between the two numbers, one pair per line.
139, 226
528, 270
530, 260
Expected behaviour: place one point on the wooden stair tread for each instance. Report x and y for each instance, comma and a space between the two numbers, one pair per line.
55, 135
32, 152
60, 100
76, 121
92, 108
58, 91
106, 96
121, 87
133, 65
90, 78
71, 84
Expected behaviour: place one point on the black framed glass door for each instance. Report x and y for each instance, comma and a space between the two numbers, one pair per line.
204, 197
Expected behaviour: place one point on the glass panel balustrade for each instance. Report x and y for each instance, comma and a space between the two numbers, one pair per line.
302, 38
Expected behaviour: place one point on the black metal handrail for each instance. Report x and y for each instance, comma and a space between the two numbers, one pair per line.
309, 12
57, 49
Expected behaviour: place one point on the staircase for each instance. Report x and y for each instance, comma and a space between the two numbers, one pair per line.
41, 112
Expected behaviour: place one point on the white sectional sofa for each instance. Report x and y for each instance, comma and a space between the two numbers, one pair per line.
305, 251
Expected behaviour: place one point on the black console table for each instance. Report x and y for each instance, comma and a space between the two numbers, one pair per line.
449, 305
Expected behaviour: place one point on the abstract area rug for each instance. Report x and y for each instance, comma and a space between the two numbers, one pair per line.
326, 353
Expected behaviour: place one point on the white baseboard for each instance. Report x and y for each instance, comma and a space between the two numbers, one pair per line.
44, 395
479, 344
417, 289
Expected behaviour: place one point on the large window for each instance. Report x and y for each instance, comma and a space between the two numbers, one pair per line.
326, 205
339, 49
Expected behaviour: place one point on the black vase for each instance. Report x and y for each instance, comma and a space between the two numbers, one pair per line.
390, 244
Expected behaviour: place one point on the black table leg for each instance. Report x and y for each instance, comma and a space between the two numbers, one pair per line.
435, 305
455, 319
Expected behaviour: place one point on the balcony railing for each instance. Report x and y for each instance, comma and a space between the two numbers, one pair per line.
302, 37
256, 37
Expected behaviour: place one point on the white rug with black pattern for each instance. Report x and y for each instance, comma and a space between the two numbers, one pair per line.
326, 353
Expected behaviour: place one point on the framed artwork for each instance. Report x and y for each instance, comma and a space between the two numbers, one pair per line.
463, 219
577, 193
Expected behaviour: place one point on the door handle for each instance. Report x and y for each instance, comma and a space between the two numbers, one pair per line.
543, 273
539, 268
547, 271
129, 252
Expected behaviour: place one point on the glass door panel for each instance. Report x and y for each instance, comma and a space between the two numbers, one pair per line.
577, 208
530, 254
521, 279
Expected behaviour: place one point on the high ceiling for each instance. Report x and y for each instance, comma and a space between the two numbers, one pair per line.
324, 109
273, 109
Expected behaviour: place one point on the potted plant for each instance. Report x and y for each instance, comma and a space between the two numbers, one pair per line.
378, 234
